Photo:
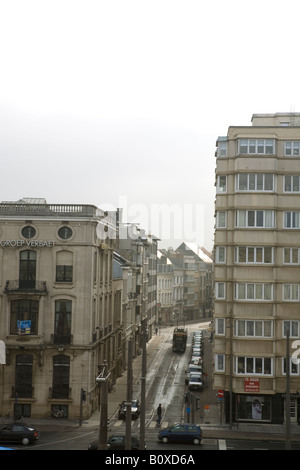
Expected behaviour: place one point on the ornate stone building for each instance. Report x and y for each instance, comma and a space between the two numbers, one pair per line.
60, 311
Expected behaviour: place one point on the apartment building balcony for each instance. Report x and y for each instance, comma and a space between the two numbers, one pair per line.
26, 286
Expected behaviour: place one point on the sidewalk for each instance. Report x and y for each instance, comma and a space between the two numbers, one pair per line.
209, 420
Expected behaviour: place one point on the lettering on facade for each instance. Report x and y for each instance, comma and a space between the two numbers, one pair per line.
32, 243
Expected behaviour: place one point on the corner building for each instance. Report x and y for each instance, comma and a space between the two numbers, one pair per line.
257, 268
59, 312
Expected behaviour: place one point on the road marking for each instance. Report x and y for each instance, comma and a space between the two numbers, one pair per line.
222, 444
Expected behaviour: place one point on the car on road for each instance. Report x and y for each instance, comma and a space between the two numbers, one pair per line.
181, 432
117, 442
135, 409
18, 433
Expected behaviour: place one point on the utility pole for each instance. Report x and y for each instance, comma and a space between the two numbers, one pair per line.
129, 397
143, 390
102, 380
288, 395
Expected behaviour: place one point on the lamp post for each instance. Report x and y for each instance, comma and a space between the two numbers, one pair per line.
129, 397
143, 390
102, 380
288, 396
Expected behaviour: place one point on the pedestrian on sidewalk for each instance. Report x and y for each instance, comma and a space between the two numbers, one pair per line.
159, 413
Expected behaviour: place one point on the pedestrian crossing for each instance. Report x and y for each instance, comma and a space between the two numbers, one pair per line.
136, 424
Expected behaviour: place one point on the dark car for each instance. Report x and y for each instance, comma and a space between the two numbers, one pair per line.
181, 432
135, 409
18, 433
117, 443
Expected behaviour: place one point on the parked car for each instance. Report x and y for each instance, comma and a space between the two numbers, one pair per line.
195, 382
117, 442
135, 409
193, 368
20, 433
181, 432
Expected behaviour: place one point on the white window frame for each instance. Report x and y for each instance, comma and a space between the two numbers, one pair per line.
220, 290
220, 326
293, 326
243, 324
254, 361
291, 292
219, 362
248, 255
291, 219
221, 254
253, 292
256, 146
243, 218
290, 252
221, 219
252, 183
294, 366
294, 184
221, 187
292, 148
222, 148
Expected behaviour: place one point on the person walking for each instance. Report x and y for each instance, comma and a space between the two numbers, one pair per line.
159, 413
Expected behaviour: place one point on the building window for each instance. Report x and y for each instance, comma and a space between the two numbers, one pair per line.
65, 232
254, 182
222, 148
28, 231
291, 219
254, 254
292, 326
254, 328
256, 146
62, 328
24, 375
291, 256
292, 148
61, 376
27, 269
291, 292
220, 326
222, 184
253, 291
221, 219
220, 290
292, 184
24, 310
255, 219
220, 363
254, 365
64, 266
294, 366
221, 254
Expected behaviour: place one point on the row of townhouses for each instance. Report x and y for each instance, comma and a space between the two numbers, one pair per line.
76, 283
257, 269
184, 284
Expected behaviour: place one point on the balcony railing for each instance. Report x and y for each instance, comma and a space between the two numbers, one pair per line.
26, 286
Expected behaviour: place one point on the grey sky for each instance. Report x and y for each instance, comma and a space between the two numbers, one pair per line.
122, 100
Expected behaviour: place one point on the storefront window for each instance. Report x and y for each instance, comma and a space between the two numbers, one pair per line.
253, 408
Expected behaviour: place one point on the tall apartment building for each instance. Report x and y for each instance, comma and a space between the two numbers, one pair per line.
257, 267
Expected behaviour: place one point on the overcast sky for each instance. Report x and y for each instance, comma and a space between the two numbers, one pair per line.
119, 103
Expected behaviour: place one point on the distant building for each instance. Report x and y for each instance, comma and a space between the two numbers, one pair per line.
257, 267
185, 284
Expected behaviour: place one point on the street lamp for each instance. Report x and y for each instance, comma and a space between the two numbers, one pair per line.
143, 389
102, 380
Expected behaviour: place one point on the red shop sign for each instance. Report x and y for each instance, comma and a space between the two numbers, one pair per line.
251, 385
